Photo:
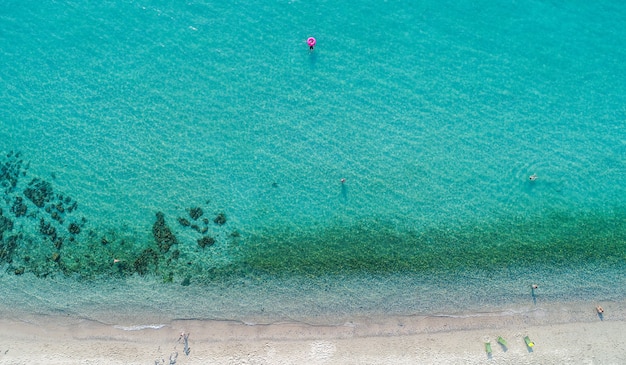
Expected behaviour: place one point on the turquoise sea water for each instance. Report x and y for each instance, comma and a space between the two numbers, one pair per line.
119, 119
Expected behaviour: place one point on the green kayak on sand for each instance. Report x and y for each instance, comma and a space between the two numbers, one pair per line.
529, 343
502, 341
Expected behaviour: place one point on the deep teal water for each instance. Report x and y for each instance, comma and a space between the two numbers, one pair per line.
434, 113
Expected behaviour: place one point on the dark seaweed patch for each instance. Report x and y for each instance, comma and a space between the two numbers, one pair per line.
47, 229
220, 219
146, 262
10, 172
73, 228
206, 241
7, 248
5, 225
195, 213
39, 192
163, 234
379, 249
19, 208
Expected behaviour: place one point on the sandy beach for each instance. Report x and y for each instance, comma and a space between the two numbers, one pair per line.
570, 333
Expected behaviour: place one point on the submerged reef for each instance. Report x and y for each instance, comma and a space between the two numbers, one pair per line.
220, 219
39, 192
11, 170
19, 208
5, 225
36, 209
7, 246
163, 234
203, 227
205, 241
195, 213
41, 232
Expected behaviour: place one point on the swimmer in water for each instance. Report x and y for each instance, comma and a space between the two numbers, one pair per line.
532, 177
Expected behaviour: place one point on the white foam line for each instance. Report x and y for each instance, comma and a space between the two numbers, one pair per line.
140, 327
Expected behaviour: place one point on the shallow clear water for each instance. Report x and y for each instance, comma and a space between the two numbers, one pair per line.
435, 114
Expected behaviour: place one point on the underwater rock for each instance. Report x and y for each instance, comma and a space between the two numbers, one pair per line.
5, 225
19, 208
19, 271
195, 213
39, 192
10, 172
72, 207
7, 248
56, 257
58, 243
186, 281
142, 263
57, 217
220, 219
47, 229
183, 222
206, 241
74, 228
163, 234
168, 278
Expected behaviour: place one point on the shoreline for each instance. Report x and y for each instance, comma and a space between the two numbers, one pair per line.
562, 332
